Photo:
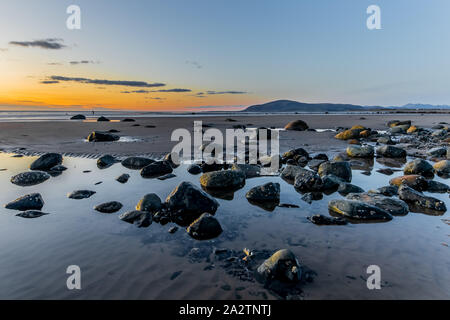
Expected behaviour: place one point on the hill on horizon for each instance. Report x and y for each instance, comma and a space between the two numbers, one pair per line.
291, 106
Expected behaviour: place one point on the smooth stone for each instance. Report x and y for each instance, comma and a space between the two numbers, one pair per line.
150, 203
206, 227
123, 178
81, 194
156, 169
391, 152
136, 163
282, 265
32, 201
141, 219
222, 179
437, 187
419, 200
46, 162
341, 169
358, 210
194, 169
394, 206
418, 166
31, 178
267, 192
105, 161
355, 151
296, 125
108, 207
416, 182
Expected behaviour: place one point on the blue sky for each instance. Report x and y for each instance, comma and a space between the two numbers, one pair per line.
311, 51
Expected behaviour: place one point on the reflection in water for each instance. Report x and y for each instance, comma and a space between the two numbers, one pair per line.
392, 162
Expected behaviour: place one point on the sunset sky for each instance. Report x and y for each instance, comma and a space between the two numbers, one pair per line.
222, 55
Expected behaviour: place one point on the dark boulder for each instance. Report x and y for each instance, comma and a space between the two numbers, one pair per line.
136, 163
141, 219
31, 178
100, 136
282, 266
81, 194
109, 207
150, 203
340, 169
32, 201
307, 180
46, 162
419, 166
156, 169
358, 210
205, 227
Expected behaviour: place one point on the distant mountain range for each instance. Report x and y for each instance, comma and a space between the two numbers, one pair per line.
294, 106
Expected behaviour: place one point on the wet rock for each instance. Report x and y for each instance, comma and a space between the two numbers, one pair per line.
416, 182
360, 151
78, 117
322, 220
46, 162
358, 210
187, 202
395, 123
346, 188
81, 194
249, 170
321, 156
448, 153
172, 230
282, 266
208, 167
437, 152
128, 120
222, 179
412, 129
194, 169
103, 119
100, 136
136, 163
108, 207
419, 166
419, 200
26, 179
141, 219
31, 214
314, 164
267, 192
149, 203
167, 176
205, 227
296, 125
398, 130
391, 152
295, 154
312, 196
394, 206
341, 169
386, 171
58, 168
439, 133
123, 178
442, 168
290, 172
156, 169
437, 187
385, 140
331, 182
349, 134
307, 180
172, 159
105, 161
387, 191
32, 201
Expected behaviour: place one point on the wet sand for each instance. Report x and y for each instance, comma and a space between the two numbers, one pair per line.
67, 137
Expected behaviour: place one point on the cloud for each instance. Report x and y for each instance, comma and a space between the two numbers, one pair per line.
49, 82
82, 62
177, 90
54, 64
195, 64
124, 83
52, 43
174, 90
225, 92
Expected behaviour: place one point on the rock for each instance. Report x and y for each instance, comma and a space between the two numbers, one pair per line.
341, 169
223, 179
123, 178
128, 120
290, 172
26, 179
108, 207
412, 129
31, 214
296, 125
141, 219
156, 169
394, 206
205, 227
103, 119
398, 130
105, 161
312, 196
448, 153
439, 133
46, 162
419, 200
331, 182
136, 163
268, 192
282, 266
437, 187
322, 220
395, 123
387, 191
391, 152
307, 180
442, 167
150, 203
385, 140
78, 117
358, 210
172, 159
194, 169
32, 201
349, 134
172, 230
100, 136
249, 170
295, 154
81, 194
437, 152
346, 188
386, 171
315, 163
166, 176
187, 202
58, 168
419, 166
355, 151
416, 182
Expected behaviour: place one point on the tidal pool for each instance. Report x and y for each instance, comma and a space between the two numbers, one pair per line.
120, 261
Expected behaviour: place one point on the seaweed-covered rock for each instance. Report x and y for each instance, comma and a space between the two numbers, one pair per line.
349, 134
358, 210
282, 266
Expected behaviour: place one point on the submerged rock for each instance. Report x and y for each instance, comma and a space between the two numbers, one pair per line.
391, 152
105, 161
415, 181
282, 266
150, 203
419, 166
31, 214
297, 125
222, 179
26, 179
268, 192
46, 162
123, 178
419, 200
340, 169
346, 188
394, 206
156, 169
141, 219
205, 227
32, 201
322, 220
358, 210
136, 163
81, 194
355, 151
109, 207
100, 136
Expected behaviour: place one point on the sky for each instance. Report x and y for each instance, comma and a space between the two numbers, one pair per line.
184, 55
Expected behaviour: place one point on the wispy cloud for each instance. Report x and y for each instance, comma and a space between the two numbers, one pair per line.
176, 90
124, 83
83, 62
195, 64
52, 43
225, 92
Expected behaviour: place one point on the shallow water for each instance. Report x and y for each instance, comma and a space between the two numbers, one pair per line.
120, 261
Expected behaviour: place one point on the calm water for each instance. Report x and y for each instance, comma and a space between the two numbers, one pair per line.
120, 261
